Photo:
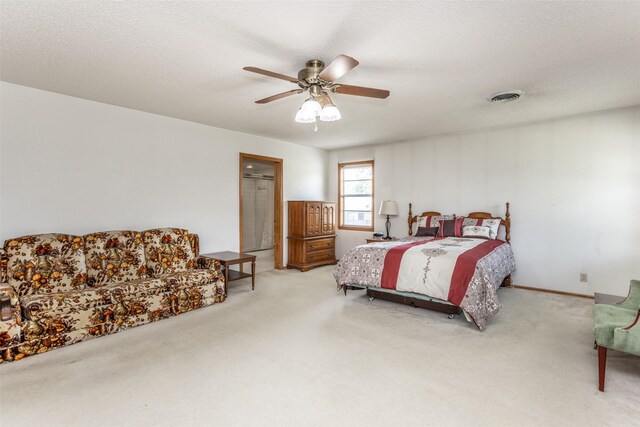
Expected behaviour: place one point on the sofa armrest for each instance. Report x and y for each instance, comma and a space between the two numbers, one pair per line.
9, 303
194, 241
10, 322
3, 266
208, 263
627, 339
633, 299
635, 324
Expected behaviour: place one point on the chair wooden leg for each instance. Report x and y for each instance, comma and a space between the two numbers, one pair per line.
602, 366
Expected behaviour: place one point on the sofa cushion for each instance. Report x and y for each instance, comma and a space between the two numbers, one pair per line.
167, 250
137, 288
37, 306
45, 264
114, 257
193, 277
74, 316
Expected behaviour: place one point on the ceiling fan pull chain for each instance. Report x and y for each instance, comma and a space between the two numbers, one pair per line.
315, 125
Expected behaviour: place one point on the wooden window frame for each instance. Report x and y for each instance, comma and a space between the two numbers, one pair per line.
340, 167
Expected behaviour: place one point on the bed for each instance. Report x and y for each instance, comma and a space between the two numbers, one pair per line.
452, 273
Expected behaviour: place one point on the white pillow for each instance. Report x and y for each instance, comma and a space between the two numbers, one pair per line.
493, 224
478, 231
422, 221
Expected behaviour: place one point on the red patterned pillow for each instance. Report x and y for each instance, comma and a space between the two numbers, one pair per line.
450, 227
432, 221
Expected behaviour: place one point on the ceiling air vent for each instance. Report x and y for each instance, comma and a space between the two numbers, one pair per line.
506, 96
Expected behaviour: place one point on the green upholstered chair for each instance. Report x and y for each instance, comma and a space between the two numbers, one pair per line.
617, 327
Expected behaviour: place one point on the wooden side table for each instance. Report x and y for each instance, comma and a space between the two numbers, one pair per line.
227, 259
372, 240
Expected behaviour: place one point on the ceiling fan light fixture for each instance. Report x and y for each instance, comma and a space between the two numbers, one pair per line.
320, 80
305, 116
330, 113
311, 106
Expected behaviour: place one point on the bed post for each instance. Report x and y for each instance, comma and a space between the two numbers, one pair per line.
410, 221
507, 224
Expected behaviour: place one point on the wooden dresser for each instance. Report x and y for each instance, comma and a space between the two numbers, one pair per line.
312, 234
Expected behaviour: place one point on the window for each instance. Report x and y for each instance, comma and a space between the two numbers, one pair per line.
355, 195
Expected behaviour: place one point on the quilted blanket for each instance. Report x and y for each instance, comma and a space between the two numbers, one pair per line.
464, 271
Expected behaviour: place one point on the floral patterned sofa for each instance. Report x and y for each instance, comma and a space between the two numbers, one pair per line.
58, 289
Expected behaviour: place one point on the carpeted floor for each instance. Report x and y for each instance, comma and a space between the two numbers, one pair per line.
296, 352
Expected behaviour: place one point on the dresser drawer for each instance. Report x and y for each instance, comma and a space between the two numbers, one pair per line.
320, 244
320, 255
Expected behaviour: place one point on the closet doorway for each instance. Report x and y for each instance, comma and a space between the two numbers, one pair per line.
261, 210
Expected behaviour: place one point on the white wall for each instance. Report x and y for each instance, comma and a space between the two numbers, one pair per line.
573, 184
77, 166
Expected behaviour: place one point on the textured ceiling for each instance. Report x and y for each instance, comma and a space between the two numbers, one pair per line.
440, 60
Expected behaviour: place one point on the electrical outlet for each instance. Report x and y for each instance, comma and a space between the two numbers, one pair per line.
584, 278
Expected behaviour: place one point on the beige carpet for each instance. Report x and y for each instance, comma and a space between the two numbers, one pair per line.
296, 352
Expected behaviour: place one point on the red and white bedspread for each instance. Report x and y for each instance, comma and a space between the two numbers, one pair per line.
466, 272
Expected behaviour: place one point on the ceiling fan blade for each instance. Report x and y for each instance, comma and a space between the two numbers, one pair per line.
338, 68
279, 96
361, 91
271, 74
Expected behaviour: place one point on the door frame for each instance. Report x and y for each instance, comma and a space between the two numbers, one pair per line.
278, 239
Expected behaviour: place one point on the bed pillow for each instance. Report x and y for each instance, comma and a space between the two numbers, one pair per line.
432, 221
493, 224
427, 232
477, 231
450, 227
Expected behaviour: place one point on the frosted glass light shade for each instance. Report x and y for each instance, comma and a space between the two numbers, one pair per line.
388, 207
311, 106
330, 113
305, 117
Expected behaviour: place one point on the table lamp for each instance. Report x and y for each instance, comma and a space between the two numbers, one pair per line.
388, 208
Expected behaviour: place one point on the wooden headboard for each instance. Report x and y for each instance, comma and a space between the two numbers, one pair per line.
506, 221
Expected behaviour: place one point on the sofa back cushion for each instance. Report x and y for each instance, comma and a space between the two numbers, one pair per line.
45, 264
167, 250
114, 257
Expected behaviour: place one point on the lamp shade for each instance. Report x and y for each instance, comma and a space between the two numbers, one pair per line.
303, 116
311, 106
388, 207
330, 113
